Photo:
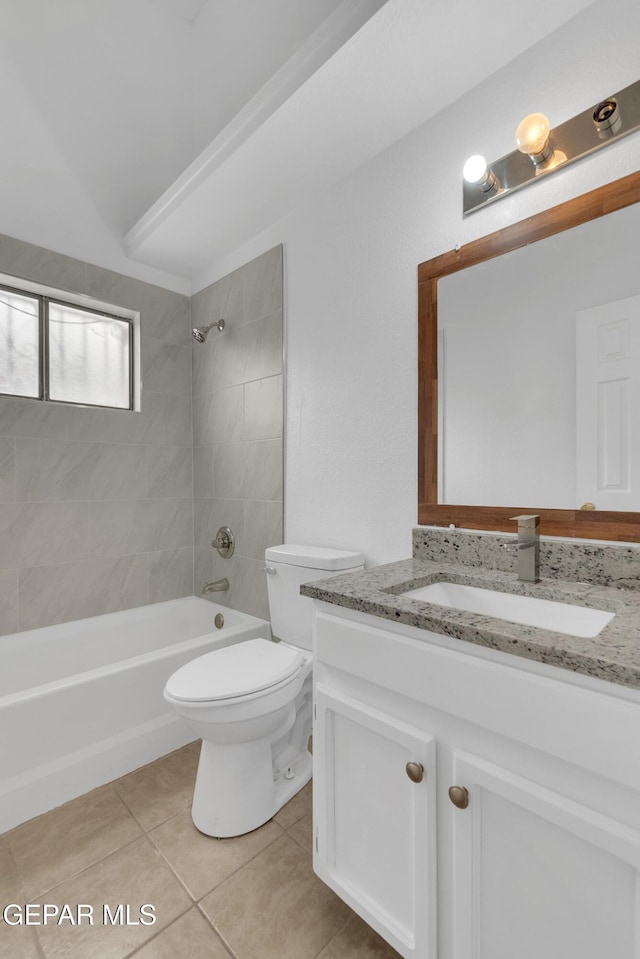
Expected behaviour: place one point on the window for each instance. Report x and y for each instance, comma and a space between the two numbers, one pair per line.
59, 349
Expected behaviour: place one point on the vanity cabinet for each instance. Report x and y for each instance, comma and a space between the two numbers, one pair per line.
376, 828
539, 855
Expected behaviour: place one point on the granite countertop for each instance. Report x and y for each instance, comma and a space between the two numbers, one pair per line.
613, 655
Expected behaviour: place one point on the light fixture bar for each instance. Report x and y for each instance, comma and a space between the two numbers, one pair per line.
603, 123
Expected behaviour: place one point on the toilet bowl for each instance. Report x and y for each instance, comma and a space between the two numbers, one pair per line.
251, 703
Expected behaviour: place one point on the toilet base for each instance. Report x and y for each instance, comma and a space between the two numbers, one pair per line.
235, 791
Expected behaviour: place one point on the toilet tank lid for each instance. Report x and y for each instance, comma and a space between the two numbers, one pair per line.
314, 557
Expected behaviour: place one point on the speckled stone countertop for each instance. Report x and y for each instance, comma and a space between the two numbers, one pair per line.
613, 655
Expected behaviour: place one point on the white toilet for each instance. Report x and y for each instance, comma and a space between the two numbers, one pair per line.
251, 702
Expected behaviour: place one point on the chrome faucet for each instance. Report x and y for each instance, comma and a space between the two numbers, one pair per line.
528, 547
217, 587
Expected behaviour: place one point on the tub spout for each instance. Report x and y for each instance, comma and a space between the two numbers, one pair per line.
217, 587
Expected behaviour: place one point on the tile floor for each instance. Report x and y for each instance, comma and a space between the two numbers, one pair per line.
133, 842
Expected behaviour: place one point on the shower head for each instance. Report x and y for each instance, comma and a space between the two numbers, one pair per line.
200, 333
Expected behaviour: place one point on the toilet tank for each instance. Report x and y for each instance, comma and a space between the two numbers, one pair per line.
291, 613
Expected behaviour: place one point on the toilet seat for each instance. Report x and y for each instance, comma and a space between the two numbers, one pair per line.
233, 672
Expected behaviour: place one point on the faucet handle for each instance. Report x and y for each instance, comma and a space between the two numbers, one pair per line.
527, 522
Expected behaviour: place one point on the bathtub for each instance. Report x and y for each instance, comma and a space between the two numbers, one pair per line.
81, 703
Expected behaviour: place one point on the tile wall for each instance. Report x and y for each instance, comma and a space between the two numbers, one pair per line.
238, 428
96, 506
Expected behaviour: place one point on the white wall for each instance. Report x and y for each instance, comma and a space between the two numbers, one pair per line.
350, 279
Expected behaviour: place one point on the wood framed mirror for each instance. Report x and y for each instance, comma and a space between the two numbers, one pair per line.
566, 519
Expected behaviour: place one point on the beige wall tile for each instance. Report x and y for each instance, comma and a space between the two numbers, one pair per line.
247, 585
211, 514
8, 601
169, 471
166, 367
33, 534
60, 594
226, 415
170, 574
262, 285
26, 261
53, 469
203, 472
263, 409
221, 300
7, 469
262, 527
139, 526
202, 570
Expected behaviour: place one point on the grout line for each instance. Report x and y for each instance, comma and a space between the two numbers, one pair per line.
334, 936
217, 933
84, 869
39, 949
129, 809
159, 932
246, 863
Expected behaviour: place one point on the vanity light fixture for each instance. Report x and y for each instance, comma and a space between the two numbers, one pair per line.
476, 172
532, 138
542, 150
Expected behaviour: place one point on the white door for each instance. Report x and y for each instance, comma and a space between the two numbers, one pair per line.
539, 876
608, 405
374, 826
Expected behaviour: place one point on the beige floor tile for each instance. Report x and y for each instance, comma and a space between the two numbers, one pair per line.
274, 907
11, 891
10, 884
358, 939
201, 862
302, 832
190, 936
18, 942
57, 845
6, 864
133, 876
162, 789
296, 808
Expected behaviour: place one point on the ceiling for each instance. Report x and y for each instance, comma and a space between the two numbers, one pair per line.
184, 9
155, 136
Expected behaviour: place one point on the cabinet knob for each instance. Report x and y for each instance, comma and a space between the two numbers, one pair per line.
415, 772
459, 796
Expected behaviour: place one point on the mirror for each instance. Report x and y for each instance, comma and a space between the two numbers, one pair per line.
517, 410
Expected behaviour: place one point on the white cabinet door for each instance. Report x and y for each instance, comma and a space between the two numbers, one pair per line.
539, 875
374, 826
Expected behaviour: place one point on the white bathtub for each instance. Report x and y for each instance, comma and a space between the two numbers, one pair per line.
81, 703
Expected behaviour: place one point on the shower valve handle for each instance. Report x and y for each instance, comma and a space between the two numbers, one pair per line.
224, 542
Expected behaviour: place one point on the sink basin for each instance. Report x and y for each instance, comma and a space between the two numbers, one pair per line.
527, 610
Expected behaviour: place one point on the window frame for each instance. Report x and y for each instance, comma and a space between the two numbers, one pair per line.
45, 296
